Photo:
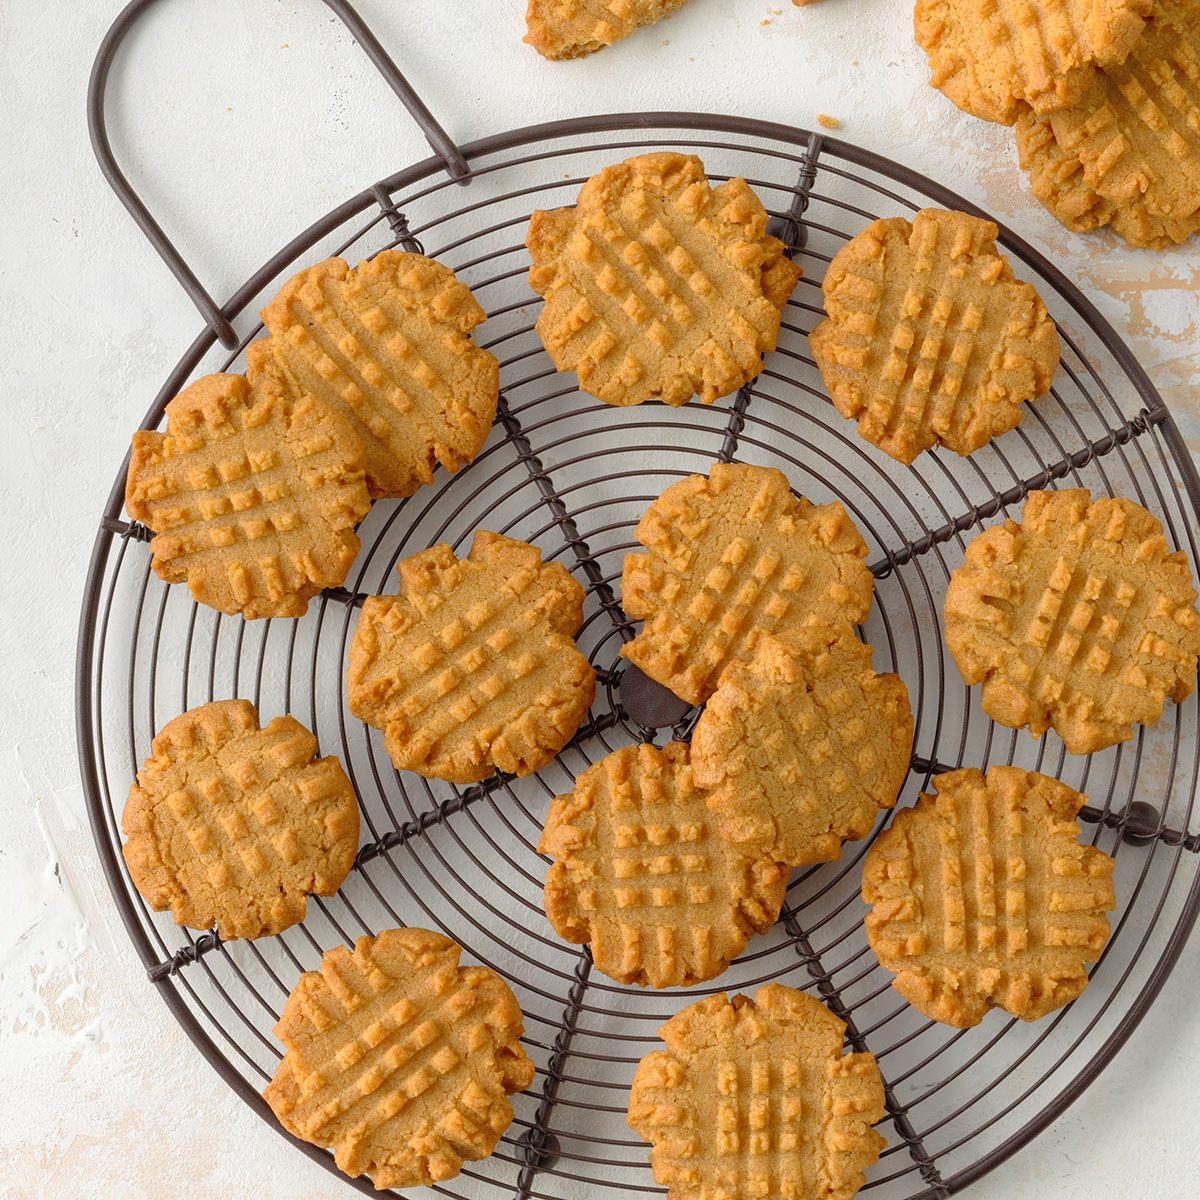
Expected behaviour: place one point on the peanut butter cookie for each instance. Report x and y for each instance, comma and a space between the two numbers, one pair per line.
472, 667
572, 28
642, 876
983, 897
232, 825
754, 1098
1076, 619
657, 285
734, 556
399, 1060
930, 340
388, 344
252, 497
995, 58
1127, 152
802, 746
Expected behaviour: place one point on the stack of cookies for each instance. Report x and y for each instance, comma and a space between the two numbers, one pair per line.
1105, 99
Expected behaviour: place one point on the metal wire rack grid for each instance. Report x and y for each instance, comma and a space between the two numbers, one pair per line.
573, 476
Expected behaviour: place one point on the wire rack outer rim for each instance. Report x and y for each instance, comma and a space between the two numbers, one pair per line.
551, 131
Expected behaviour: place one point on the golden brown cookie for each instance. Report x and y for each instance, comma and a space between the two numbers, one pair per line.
572, 28
399, 1060
388, 344
993, 58
1127, 152
1056, 178
753, 1099
657, 285
929, 339
232, 825
983, 897
641, 875
472, 667
1077, 619
734, 556
252, 498
801, 746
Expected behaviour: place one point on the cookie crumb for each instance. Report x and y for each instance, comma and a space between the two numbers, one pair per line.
827, 122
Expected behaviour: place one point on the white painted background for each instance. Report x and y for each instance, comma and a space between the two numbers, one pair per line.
242, 120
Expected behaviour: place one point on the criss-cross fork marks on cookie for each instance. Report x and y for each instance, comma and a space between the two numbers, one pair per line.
984, 897
732, 557
658, 285
929, 338
389, 344
252, 499
231, 825
572, 28
993, 58
399, 1060
1127, 153
472, 667
643, 877
1077, 619
803, 745
754, 1098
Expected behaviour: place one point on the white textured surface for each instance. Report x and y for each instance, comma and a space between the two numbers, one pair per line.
242, 120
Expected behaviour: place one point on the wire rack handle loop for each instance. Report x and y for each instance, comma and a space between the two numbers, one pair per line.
212, 313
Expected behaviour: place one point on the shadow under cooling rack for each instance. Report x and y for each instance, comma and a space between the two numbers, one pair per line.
573, 477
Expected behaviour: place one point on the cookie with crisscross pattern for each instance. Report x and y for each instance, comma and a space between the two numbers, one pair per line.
929, 339
252, 497
472, 667
641, 875
800, 747
398, 1059
658, 285
1127, 152
983, 897
1077, 619
753, 1098
560, 29
734, 556
233, 825
388, 344
996, 58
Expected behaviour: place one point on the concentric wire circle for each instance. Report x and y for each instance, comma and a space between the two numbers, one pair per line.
573, 476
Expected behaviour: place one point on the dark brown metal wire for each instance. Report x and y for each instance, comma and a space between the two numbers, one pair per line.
573, 476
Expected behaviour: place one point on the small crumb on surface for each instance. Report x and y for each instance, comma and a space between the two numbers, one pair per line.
802, 3
827, 122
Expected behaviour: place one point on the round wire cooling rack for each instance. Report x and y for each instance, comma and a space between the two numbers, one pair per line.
573, 476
